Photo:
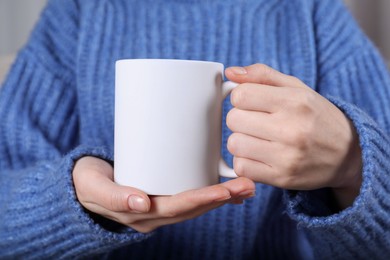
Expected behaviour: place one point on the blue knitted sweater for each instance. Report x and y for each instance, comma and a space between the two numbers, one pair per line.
57, 105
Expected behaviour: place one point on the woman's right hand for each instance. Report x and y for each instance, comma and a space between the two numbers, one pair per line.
97, 192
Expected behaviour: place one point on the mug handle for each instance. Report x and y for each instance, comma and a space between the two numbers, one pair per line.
224, 169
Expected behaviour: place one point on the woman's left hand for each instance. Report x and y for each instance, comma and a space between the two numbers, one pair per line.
287, 135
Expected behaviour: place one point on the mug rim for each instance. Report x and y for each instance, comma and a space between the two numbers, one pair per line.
169, 60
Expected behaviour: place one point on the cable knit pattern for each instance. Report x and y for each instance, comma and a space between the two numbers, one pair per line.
57, 105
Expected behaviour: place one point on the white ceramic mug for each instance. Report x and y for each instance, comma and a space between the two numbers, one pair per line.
168, 124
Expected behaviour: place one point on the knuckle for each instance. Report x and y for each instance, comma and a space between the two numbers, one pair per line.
299, 139
297, 136
239, 167
245, 184
265, 71
305, 101
261, 67
232, 119
233, 143
295, 81
293, 165
292, 169
236, 97
117, 202
309, 98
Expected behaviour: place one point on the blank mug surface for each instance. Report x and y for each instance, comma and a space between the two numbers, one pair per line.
167, 124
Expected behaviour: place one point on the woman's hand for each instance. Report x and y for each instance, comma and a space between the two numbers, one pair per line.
96, 191
289, 136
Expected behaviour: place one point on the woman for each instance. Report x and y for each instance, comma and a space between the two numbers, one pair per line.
311, 148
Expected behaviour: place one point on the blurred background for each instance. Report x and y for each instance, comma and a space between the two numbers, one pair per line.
374, 17
17, 17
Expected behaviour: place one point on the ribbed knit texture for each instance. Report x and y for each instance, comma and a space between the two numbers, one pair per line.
57, 105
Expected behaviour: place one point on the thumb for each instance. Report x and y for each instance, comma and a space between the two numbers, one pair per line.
125, 199
261, 74
93, 180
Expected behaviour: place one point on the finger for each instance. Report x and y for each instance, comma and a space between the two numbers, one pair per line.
192, 200
173, 209
239, 187
254, 170
258, 97
147, 225
119, 198
245, 146
256, 124
262, 74
147, 222
173, 206
198, 200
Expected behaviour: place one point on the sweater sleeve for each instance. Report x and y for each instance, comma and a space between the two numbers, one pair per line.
352, 75
40, 217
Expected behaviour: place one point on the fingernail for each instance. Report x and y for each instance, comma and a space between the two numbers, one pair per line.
238, 70
223, 198
247, 194
138, 204
226, 197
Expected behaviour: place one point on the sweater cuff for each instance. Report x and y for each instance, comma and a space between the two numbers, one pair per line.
102, 234
366, 220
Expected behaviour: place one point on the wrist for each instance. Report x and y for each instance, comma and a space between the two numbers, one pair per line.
345, 196
346, 193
